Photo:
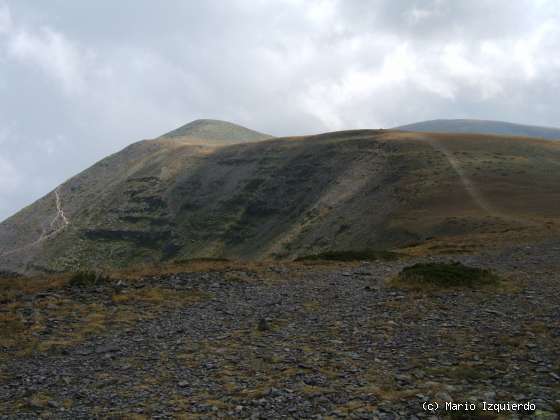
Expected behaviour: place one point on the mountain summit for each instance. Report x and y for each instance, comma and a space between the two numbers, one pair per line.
215, 132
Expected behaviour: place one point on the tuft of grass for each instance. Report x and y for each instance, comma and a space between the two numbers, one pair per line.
39, 399
453, 274
360, 255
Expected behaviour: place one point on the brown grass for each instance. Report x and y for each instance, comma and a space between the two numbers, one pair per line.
11, 288
159, 296
43, 313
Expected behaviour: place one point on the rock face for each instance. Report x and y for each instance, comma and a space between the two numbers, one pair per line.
215, 189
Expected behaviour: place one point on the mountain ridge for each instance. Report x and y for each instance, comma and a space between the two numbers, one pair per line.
482, 127
168, 199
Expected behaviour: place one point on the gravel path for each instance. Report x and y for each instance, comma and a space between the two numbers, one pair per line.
294, 341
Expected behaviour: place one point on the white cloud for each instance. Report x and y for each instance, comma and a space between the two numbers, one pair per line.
55, 54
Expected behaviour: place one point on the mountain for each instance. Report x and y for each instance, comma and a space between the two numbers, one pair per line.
215, 189
483, 127
214, 132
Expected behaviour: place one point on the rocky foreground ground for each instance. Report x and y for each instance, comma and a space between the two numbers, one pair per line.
287, 340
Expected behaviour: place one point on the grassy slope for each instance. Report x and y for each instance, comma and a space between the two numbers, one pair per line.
296, 196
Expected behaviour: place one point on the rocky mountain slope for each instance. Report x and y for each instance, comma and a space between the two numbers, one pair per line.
483, 127
215, 189
337, 341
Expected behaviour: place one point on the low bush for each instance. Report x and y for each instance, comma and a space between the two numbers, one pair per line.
450, 274
363, 255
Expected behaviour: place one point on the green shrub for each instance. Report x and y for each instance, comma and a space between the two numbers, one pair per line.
363, 255
447, 274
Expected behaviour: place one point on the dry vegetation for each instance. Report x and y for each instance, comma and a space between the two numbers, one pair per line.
206, 337
52, 312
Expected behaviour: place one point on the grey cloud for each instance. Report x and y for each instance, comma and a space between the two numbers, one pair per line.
80, 80
439, 20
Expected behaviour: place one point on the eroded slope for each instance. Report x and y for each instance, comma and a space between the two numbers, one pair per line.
288, 197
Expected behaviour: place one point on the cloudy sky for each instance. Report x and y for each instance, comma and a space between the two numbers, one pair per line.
80, 80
